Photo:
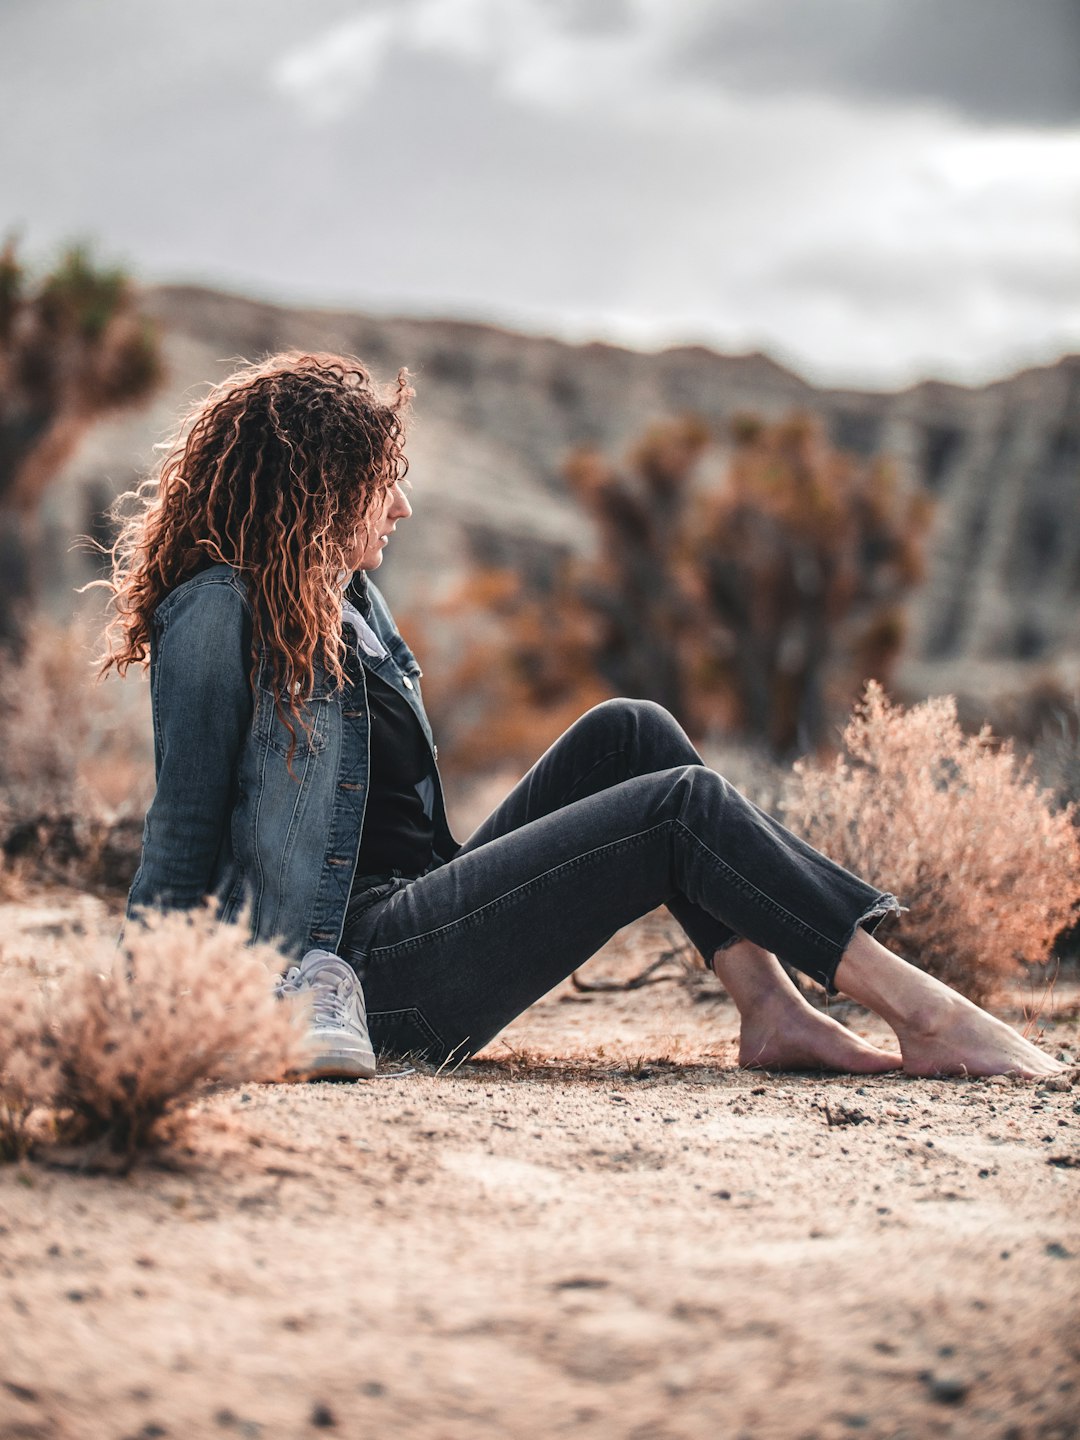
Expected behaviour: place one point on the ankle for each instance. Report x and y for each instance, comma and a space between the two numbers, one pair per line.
754, 979
932, 1014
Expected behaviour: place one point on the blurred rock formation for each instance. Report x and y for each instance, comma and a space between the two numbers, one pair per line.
497, 413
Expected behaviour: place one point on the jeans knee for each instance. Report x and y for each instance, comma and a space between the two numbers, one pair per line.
656, 736
647, 735
644, 718
702, 798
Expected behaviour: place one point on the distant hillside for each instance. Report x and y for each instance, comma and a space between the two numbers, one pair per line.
496, 413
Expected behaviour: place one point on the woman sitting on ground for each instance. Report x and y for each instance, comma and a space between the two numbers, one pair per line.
297, 783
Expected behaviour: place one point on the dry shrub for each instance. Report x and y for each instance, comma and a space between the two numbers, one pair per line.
956, 826
78, 764
27, 1069
126, 1038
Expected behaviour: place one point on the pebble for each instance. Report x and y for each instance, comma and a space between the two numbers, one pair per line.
1057, 1251
947, 1389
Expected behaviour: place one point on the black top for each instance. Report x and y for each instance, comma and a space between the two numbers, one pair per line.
397, 833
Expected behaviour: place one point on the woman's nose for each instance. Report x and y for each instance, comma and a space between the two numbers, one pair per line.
400, 509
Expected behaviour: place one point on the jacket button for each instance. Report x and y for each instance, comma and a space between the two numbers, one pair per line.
406, 681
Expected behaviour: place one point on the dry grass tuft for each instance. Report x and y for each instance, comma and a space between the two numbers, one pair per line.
27, 1066
112, 1051
957, 827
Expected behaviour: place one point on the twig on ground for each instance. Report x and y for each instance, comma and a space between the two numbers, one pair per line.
647, 976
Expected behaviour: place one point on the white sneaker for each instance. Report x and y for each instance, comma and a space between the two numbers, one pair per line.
340, 1044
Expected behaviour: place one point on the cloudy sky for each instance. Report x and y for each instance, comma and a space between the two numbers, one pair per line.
870, 190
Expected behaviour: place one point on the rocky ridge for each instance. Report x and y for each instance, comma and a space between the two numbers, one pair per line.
497, 412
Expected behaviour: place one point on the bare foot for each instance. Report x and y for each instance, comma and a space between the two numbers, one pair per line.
940, 1031
791, 1035
955, 1037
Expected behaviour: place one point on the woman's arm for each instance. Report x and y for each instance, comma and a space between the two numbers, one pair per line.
202, 708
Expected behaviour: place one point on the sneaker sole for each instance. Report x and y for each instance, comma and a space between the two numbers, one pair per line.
337, 1065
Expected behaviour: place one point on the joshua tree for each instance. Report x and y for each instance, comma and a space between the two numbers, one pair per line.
637, 589
72, 345
759, 600
803, 558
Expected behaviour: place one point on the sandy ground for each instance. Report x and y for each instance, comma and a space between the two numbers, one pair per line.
600, 1229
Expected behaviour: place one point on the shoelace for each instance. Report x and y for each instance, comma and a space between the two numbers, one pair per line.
329, 997
289, 983
329, 1003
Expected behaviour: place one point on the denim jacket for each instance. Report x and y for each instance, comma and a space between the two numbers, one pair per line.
228, 819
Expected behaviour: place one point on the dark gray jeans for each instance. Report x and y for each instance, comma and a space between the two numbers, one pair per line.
619, 816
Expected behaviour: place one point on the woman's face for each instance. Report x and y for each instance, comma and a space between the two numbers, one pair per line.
368, 554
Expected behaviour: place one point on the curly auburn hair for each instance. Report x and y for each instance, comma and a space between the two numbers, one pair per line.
276, 471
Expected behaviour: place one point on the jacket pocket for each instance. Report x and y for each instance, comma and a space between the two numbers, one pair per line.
270, 727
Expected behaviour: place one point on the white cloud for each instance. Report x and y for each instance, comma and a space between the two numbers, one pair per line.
557, 163
528, 52
329, 75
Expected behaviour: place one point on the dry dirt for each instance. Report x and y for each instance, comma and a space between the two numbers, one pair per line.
601, 1228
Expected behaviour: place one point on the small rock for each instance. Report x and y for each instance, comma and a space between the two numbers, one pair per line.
844, 1115
248, 1429
21, 1392
1057, 1251
323, 1418
374, 1388
947, 1389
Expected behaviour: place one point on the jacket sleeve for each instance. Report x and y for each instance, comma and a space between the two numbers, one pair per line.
202, 710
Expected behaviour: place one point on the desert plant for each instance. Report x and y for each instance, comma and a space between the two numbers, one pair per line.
637, 588
127, 1037
516, 681
753, 604
803, 557
78, 765
956, 826
27, 1065
72, 346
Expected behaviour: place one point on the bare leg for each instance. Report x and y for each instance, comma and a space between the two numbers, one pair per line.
780, 1030
940, 1032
